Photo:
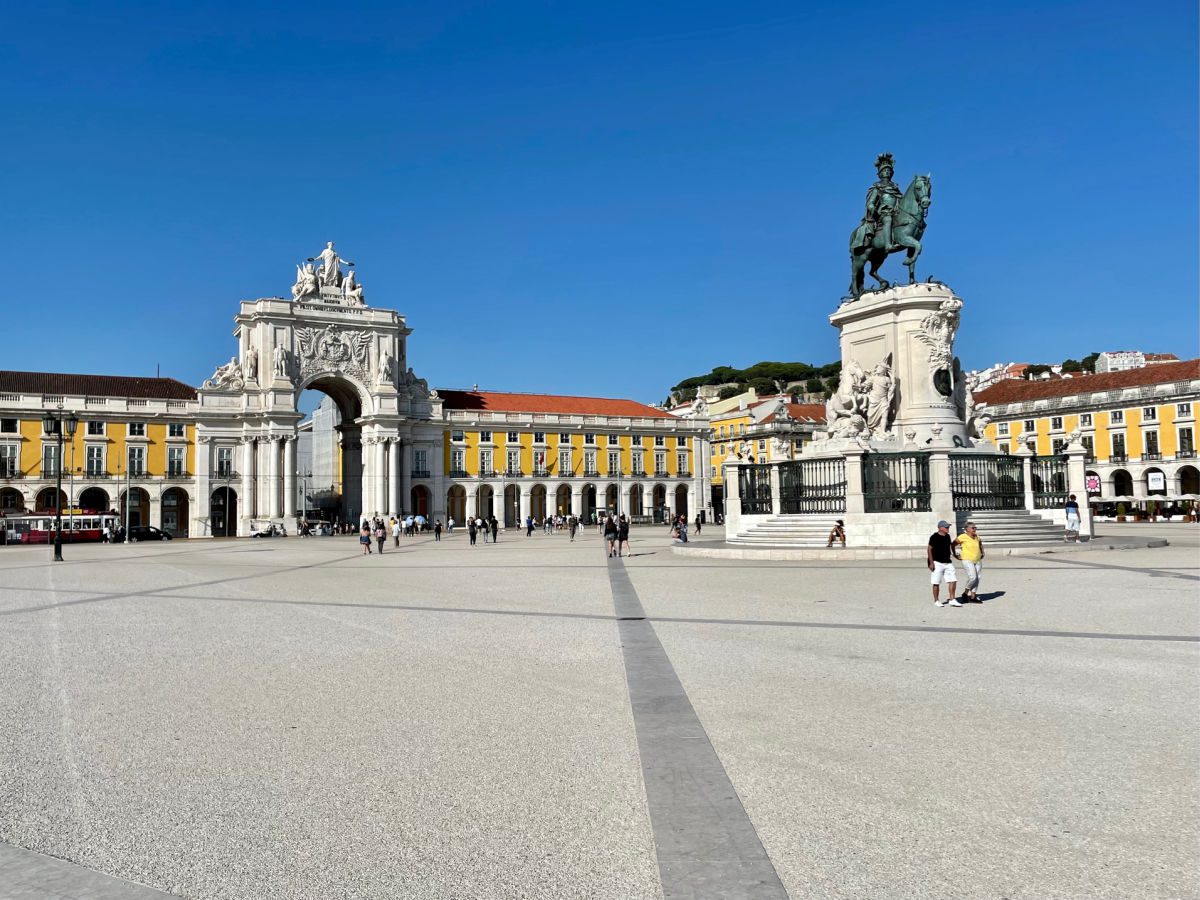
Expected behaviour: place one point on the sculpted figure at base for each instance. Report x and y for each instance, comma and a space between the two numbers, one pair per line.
352, 291
847, 400
281, 360
893, 223
387, 365
252, 364
227, 377
306, 282
881, 392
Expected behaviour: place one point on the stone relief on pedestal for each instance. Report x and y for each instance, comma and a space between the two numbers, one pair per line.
418, 388
226, 378
306, 283
331, 349
252, 364
937, 333
281, 361
387, 365
863, 404
352, 291
881, 396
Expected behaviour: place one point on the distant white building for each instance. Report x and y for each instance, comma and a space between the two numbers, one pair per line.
1120, 360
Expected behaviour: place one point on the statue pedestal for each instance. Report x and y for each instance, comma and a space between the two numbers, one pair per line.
916, 324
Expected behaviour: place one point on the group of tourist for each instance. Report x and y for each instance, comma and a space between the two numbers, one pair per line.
616, 534
377, 529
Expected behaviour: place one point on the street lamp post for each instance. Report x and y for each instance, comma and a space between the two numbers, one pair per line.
54, 423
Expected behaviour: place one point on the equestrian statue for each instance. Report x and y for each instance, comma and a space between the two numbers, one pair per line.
893, 223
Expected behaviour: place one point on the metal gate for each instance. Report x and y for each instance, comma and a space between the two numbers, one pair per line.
896, 482
980, 481
812, 486
754, 484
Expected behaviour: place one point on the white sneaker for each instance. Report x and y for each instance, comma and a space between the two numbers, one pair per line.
939, 602
955, 603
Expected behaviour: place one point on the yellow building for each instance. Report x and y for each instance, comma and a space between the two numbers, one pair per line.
133, 450
1139, 426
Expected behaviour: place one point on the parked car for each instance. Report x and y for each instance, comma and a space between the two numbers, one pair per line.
147, 533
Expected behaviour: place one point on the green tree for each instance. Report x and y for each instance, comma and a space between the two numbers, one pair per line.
1089, 362
814, 386
1036, 371
1072, 365
728, 391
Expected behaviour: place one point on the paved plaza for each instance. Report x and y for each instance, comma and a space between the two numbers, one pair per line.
284, 718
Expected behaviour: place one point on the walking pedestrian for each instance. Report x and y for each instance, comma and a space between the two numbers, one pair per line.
1072, 510
970, 550
939, 554
623, 535
437, 530
699, 520
364, 537
450, 525
472, 530
380, 536
495, 529
610, 534
529, 526
395, 531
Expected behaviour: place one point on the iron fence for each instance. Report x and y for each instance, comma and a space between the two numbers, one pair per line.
980, 481
896, 482
754, 483
812, 486
1049, 475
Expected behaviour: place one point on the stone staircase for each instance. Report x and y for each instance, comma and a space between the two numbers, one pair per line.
788, 530
1011, 526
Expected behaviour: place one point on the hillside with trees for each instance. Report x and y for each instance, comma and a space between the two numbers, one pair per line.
763, 377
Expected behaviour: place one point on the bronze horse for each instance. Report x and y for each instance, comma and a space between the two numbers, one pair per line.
908, 224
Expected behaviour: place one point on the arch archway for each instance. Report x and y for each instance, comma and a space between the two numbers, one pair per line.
588, 502
456, 504
133, 506
174, 507
681, 500
11, 501
94, 499
45, 500
658, 502
537, 502
635, 500
1122, 483
484, 507
1189, 480
512, 505
419, 497
612, 498
223, 512
1157, 477
562, 500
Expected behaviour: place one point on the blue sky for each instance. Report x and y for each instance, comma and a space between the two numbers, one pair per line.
592, 198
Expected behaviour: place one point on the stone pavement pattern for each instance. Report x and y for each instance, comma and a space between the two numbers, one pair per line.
287, 719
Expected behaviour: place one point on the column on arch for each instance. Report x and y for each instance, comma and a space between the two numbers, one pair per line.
246, 505
577, 500
381, 446
289, 477
395, 499
526, 502
406, 463
273, 450
471, 496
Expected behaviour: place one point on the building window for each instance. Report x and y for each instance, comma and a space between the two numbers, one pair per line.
457, 435
660, 440
1186, 441
589, 462
1002, 428
95, 461
1085, 420
660, 462
636, 464
1029, 425
741, 427
1183, 410
137, 429
564, 437
514, 462
564, 462
1056, 423
539, 437
614, 462
8, 426
513, 437
49, 460
1118, 445
421, 462
175, 460
762, 445
224, 462
458, 462
175, 429
1149, 413
539, 463
589, 439
8, 460
1005, 448
95, 429
1116, 417
1058, 445
485, 437
485, 461
1089, 444
681, 462
722, 431
137, 461
1151, 442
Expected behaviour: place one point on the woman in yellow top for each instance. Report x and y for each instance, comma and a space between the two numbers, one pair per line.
968, 547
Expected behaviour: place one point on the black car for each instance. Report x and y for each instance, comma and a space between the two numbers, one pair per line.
147, 533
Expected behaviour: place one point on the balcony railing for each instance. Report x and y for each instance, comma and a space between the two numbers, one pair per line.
514, 473
683, 473
1118, 458
178, 475
1151, 456
541, 473
591, 473
11, 473
1188, 453
458, 473
420, 473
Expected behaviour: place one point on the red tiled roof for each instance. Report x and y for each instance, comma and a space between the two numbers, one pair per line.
1021, 391
1161, 357
548, 403
94, 386
803, 412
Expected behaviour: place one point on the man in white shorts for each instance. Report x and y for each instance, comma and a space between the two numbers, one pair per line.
939, 554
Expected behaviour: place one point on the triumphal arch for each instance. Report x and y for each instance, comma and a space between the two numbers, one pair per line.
323, 337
